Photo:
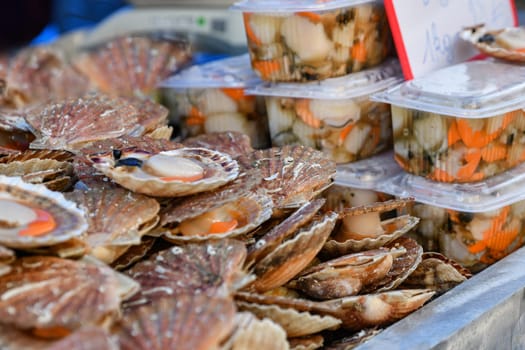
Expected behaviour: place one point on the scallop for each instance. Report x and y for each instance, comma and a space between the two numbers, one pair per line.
264, 27
336, 113
308, 40
253, 333
343, 35
214, 101
305, 133
221, 122
430, 131
230, 142
357, 137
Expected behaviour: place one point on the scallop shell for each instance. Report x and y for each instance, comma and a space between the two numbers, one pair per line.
161, 133
230, 142
72, 249
69, 219
287, 260
12, 338
48, 292
71, 124
6, 255
133, 65
353, 341
252, 333
293, 175
478, 35
219, 169
117, 217
307, 343
58, 155
55, 175
213, 267
295, 323
189, 321
134, 253
151, 115
88, 338
269, 241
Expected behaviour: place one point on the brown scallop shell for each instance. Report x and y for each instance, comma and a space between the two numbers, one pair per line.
351, 342
88, 338
212, 267
55, 175
6, 255
311, 342
151, 114
219, 169
134, 253
133, 65
69, 125
48, 292
58, 155
252, 333
292, 175
12, 338
188, 321
161, 133
295, 323
230, 142
74, 248
292, 256
474, 33
270, 240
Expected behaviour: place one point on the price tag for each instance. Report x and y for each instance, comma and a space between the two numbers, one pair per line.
426, 31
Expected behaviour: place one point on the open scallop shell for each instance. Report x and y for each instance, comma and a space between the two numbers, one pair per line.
69, 220
133, 65
490, 41
292, 256
213, 267
71, 124
311, 342
189, 321
292, 175
218, 169
58, 155
295, 323
48, 292
230, 142
252, 333
134, 253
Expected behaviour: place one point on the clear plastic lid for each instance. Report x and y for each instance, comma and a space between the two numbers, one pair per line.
476, 89
232, 72
352, 85
287, 6
382, 174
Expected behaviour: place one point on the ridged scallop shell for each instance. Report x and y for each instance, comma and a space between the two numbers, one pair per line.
55, 175
88, 338
161, 133
311, 342
74, 248
71, 124
292, 256
475, 33
58, 155
134, 253
270, 240
230, 142
219, 169
252, 333
133, 65
116, 215
293, 175
189, 321
295, 323
7, 256
70, 220
213, 267
151, 114
46, 292
403, 265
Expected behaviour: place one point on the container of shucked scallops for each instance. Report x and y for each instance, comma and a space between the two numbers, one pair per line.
463, 123
313, 40
211, 98
475, 224
335, 115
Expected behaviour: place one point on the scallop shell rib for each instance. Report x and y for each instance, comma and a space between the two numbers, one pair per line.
353, 341
380, 207
473, 34
71, 124
40, 171
151, 115
6, 255
230, 142
213, 267
116, 215
394, 228
133, 65
89, 338
134, 253
269, 241
295, 323
44, 292
255, 209
189, 321
60, 156
70, 220
219, 170
307, 343
291, 257
161, 133
293, 175
72, 249
252, 333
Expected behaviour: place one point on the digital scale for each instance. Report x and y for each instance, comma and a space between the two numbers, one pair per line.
208, 24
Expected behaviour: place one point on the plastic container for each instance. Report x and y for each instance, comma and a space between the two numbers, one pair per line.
463, 123
211, 98
335, 116
291, 40
475, 224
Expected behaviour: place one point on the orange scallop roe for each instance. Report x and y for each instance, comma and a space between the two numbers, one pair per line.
44, 223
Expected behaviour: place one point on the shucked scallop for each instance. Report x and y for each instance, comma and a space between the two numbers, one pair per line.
173, 173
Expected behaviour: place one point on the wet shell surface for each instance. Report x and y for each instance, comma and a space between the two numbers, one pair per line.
295, 323
292, 256
48, 292
230, 142
252, 333
55, 175
506, 44
292, 175
179, 172
189, 321
133, 65
71, 124
34, 216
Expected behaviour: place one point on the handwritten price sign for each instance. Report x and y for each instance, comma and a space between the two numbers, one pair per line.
426, 31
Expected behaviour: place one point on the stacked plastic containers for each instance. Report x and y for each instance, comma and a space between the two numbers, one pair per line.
320, 61
459, 148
